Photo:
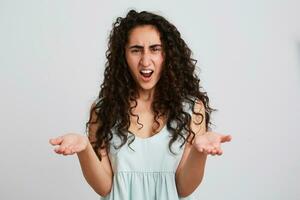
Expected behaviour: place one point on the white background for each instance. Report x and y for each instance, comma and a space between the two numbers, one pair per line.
52, 61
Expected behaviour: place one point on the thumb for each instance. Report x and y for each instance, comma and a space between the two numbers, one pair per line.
226, 138
56, 141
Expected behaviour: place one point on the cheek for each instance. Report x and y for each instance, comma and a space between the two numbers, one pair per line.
130, 61
159, 62
132, 65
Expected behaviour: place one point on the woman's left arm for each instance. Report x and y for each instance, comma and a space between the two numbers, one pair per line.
190, 170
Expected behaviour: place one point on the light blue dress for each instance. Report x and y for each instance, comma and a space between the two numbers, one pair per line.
145, 170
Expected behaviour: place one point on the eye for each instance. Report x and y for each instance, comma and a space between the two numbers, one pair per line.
135, 50
156, 49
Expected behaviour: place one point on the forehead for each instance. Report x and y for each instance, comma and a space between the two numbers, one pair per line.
144, 35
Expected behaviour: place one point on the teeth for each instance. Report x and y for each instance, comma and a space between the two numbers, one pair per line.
146, 70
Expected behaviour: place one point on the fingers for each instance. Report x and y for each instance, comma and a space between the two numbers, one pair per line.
65, 150
215, 151
69, 144
212, 143
226, 138
211, 150
56, 141
216, 148
64, 146
68, 149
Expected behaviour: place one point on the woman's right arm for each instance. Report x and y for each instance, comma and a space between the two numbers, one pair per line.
97, 173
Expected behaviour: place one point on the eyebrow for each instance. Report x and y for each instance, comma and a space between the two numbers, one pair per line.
141, 47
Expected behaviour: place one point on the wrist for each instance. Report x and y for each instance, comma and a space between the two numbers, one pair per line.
87, 148
199, 134
196, 155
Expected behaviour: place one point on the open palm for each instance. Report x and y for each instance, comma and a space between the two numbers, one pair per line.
210, 142
69, 144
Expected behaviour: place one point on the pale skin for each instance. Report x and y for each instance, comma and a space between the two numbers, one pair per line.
144, 51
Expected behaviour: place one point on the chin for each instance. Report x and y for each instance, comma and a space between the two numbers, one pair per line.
147, 87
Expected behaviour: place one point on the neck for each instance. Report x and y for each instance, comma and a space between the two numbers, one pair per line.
146, 95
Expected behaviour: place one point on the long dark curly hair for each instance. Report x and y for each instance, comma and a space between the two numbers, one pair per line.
178, 83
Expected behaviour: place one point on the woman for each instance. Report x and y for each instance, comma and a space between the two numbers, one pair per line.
147, 132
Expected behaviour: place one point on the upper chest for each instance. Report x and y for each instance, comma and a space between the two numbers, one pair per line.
143, 123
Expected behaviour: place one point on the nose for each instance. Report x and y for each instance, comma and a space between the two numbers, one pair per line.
145, 59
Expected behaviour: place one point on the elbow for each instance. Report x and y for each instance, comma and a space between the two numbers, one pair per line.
104, 189
187, 190
103, 192
184, 193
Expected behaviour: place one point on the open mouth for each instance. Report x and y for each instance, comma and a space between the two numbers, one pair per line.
146, 72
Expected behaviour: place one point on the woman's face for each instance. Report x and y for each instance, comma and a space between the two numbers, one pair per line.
144, 56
